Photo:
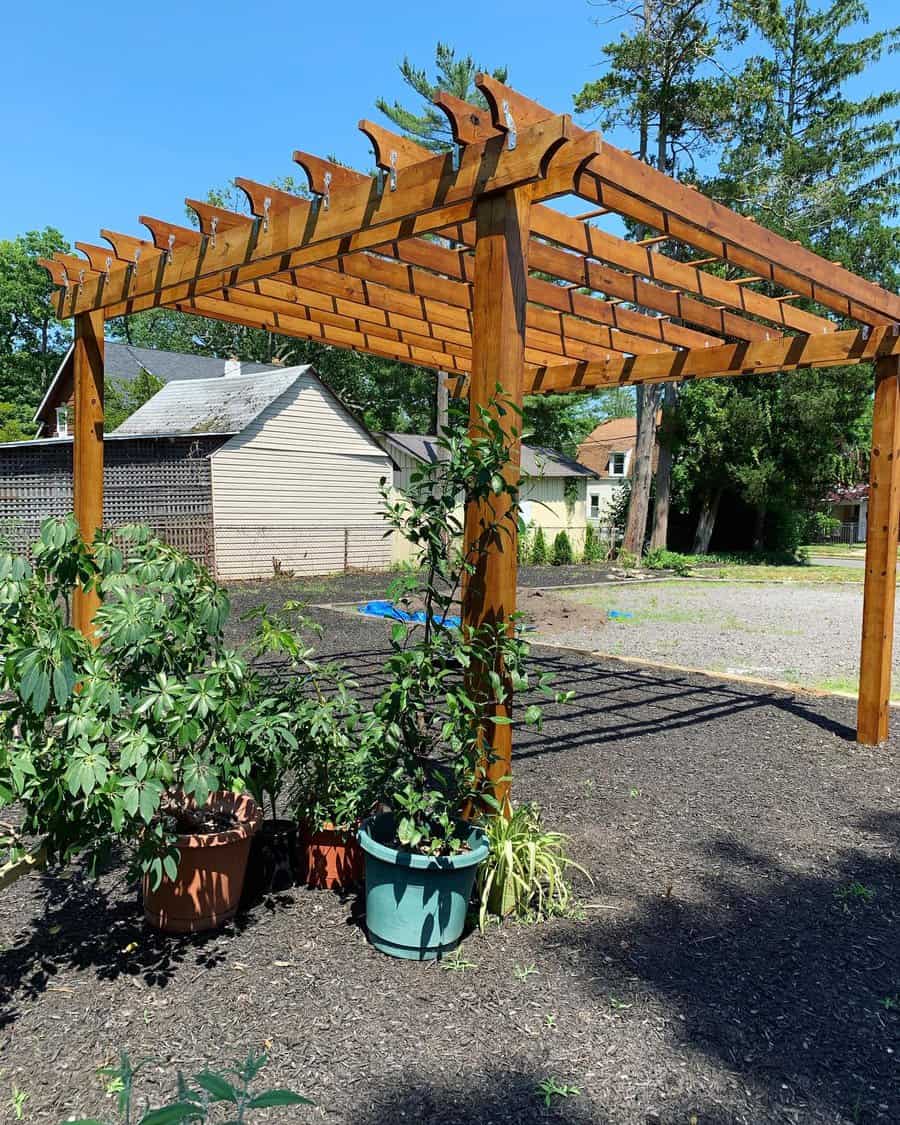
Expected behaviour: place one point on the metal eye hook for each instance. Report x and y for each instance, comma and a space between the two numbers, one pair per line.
512, 137
169, 250
108, 265
267, 203
393, 163
326, 194
455, 154
213, 227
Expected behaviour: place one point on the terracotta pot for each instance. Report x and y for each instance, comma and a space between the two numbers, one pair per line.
330, 858
207, 889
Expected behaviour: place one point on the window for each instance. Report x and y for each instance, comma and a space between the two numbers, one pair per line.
594, 511
62, 421
617, 464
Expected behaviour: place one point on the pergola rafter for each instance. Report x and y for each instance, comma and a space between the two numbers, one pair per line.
459, 262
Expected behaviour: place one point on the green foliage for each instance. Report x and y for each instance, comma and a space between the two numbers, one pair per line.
617, 510
524, 544
448, 687
114, 743
525, 872
550, 1088
563, 555
429, 125
540, 553
122, 399
594, 547
32, 340
196, 1100
15, 422
663, 559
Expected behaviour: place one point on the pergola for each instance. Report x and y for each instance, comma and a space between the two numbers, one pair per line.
358, 266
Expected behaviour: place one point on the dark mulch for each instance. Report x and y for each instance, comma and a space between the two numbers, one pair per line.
362, 585
736, 962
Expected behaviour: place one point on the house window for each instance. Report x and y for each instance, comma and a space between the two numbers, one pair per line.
617, 464
62, 421
594, 510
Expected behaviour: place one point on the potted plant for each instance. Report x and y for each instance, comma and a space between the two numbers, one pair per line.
422, 855
140, 741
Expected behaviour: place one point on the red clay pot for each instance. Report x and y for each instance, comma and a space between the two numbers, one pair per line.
330, 858
207, 889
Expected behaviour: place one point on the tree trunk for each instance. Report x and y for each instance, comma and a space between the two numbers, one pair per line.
759, 527
660, 534
706, 522
636, 526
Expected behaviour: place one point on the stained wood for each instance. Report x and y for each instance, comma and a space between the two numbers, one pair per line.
881, 558
498, 355
87, 448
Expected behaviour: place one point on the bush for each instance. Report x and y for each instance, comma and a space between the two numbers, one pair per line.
663, 559
523, 546
540, 554
563, 555
594, 548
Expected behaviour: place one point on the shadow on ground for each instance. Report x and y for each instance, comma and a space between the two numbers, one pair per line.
791, 980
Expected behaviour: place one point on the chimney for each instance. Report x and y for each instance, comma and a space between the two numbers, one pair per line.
232, 366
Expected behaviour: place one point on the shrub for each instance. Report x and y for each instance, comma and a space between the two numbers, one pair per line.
563, 555
525, 872
540, 555
594, 549
662, 559
524, 544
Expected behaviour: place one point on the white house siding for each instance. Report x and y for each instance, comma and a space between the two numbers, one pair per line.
299, 489
543, 504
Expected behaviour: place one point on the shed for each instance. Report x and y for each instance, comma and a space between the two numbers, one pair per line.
250, 473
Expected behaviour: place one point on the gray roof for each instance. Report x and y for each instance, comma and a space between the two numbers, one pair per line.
125, 362
209, 405
537, 461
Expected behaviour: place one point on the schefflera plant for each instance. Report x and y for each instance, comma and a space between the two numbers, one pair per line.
445, 687
113, 742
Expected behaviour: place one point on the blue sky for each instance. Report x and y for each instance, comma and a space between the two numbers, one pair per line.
111, 110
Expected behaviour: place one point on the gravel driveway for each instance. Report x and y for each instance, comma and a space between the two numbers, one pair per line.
792, 632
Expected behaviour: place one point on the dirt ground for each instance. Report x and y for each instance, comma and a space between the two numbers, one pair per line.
734, 961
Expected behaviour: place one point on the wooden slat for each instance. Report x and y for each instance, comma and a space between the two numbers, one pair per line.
87, 449
635, 189
882, 529
783, 354
432, 193
489, 596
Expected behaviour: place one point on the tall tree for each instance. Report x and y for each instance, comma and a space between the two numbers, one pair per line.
32, 340
664, 81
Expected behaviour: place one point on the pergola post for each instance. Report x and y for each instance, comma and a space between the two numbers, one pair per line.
87, 448
881, 557
499, 304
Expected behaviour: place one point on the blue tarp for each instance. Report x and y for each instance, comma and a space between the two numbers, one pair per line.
388, 609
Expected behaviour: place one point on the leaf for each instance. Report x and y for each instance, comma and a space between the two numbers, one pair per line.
278, 1097
220, 1088
173, 1114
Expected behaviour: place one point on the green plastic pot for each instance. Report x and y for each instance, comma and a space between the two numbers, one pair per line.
416, 905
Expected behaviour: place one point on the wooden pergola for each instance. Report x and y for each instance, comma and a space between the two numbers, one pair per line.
444, 261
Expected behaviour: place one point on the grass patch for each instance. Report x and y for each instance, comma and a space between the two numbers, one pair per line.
809, 574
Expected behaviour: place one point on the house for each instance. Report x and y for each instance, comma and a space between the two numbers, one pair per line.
122, 363
553, 497
249, 472
609, 451
849, 507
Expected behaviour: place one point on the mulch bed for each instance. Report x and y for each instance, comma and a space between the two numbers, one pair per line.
726, 967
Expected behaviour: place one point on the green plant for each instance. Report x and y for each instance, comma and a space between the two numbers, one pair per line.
594, 549
195, 1099
17, 1101
662, 559
524, 544
854, 892
563, 555
124, 741
523, 972
540, 553
449, 686
525, 873
550, 1088
457, 963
